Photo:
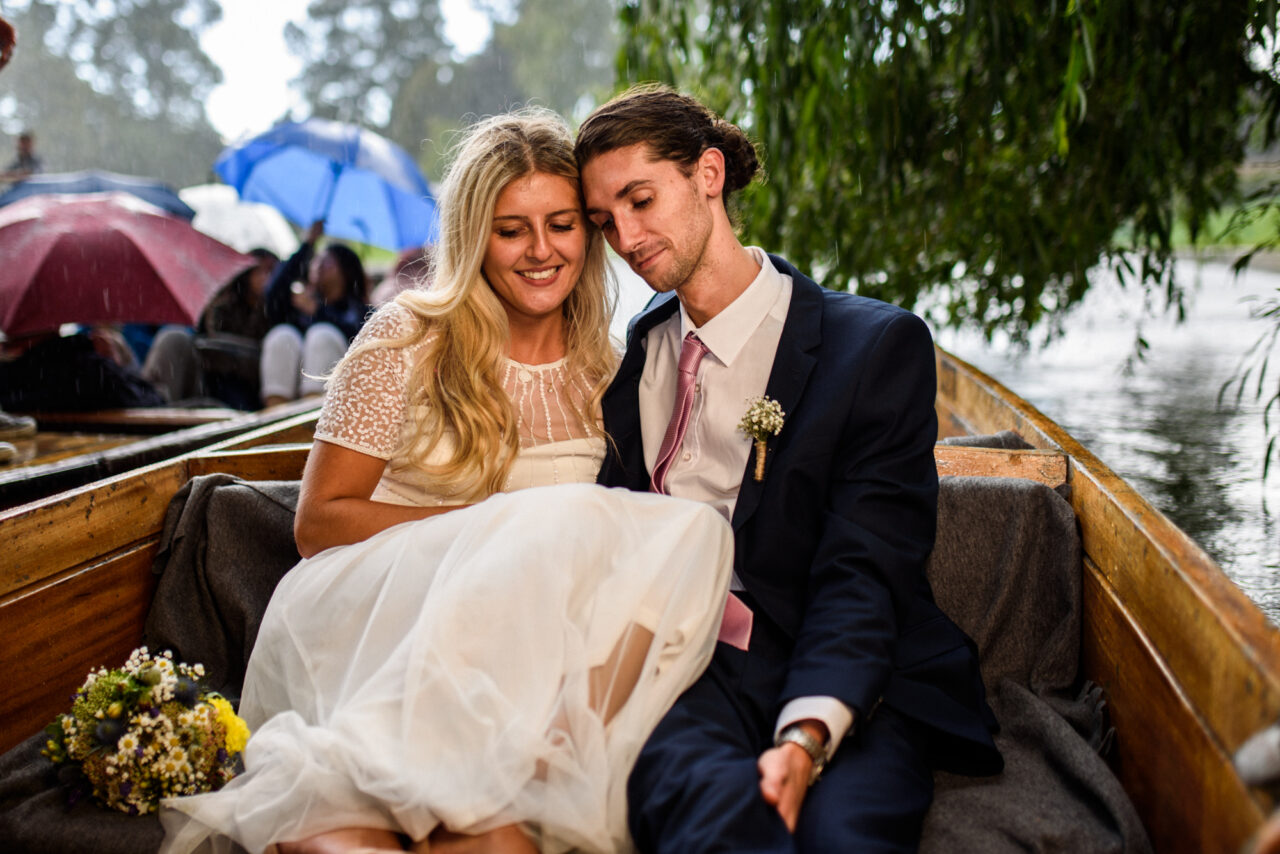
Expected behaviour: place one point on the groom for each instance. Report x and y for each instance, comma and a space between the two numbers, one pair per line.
838, 685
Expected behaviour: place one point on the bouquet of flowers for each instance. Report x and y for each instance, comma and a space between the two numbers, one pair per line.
146, 731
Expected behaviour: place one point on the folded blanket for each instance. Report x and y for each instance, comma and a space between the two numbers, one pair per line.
1007, 567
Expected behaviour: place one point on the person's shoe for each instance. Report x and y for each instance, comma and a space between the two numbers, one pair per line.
7, 452
16, 427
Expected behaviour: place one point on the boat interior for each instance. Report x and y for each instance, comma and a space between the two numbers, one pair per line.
1189, 666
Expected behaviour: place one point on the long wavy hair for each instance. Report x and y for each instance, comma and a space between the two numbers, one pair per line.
458, 374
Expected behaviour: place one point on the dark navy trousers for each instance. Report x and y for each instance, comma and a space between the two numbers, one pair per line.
695, 787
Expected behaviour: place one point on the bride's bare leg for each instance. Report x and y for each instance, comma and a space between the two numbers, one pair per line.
612, 682
609, 686
509, 839
347, 840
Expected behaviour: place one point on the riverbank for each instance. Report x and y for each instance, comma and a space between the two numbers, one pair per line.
1267, 261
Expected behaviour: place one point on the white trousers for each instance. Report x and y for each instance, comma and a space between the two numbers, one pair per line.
294, 365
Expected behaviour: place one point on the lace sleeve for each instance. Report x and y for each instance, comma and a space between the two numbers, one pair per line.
366, 401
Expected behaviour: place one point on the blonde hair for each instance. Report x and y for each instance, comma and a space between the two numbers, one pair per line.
458, 373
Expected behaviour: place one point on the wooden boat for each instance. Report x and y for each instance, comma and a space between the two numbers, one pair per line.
1191, 666
75, 448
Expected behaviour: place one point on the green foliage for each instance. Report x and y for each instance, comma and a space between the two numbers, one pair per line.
985, 155
118, 87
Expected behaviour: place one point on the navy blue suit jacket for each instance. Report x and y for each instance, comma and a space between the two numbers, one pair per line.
832, 543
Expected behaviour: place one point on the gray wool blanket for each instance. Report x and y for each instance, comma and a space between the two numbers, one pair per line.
1006, 567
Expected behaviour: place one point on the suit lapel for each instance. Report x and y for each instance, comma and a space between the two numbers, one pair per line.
792, 365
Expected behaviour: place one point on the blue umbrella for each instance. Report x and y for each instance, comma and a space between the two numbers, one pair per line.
365, 187
94, 181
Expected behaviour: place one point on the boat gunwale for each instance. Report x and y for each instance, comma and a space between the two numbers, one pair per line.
1197, 632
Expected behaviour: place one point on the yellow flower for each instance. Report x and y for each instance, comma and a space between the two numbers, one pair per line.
237, 729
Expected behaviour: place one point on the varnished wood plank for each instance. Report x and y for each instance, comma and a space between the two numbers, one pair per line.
1047, 467
51, 447
47, 537
276, 462
1196, 619
288, 422
53, 636
1173, 769
151, 419
71, 528
297, 427
1217, 641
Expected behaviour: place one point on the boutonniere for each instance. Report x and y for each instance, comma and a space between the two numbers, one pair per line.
764, 418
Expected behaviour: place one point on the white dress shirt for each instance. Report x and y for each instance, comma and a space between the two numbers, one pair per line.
742, 341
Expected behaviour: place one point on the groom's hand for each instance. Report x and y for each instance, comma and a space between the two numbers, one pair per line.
784, 775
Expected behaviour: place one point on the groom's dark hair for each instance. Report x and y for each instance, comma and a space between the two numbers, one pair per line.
675, 126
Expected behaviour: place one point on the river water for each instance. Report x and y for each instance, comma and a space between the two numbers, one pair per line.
1156, 422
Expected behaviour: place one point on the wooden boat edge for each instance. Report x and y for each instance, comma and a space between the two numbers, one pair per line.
1185, 630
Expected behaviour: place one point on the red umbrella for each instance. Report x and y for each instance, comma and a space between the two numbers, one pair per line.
104, 258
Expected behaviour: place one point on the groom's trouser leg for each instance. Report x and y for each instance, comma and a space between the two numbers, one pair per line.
695, 787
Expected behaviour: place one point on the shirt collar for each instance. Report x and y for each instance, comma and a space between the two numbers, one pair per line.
728, 332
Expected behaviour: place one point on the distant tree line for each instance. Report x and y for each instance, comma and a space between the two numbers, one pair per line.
122, 86
113, 86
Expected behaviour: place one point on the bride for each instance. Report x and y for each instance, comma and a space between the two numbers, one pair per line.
479, 639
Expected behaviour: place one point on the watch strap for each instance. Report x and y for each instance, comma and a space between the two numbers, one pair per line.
796, 734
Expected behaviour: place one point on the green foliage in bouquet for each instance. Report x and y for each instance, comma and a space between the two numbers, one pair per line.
146, 731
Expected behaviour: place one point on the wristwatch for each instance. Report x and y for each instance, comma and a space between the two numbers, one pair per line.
817, 752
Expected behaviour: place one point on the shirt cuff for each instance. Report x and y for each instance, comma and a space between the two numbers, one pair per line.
836, 715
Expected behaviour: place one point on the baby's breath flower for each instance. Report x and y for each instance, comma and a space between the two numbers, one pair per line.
764, 418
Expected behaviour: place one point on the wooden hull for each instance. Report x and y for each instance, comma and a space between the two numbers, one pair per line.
75, 573
78, 448
1191, 666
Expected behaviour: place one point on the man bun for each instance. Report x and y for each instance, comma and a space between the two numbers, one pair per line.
741, 165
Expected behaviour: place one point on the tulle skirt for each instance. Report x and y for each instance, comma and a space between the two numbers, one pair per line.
498, 664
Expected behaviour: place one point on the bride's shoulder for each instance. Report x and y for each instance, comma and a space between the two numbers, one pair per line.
391, 321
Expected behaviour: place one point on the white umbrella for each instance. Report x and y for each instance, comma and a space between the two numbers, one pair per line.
221, 214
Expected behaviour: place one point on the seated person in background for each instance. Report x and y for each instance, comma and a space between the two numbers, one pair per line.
317, 301
412, 270
220, 360
25, 162
49, 372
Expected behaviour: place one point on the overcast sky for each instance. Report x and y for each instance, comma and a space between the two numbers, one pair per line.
248, 43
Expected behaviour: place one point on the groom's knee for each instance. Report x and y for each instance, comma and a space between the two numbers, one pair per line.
703, 803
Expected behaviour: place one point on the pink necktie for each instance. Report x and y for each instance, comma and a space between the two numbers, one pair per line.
735, 626
691, 354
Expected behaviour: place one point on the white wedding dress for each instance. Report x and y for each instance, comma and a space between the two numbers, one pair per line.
498, 663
